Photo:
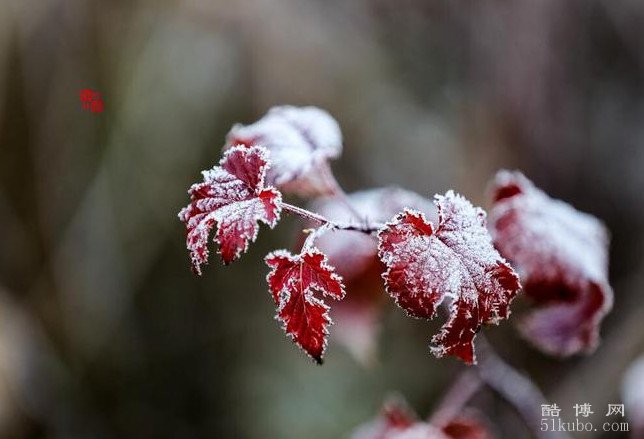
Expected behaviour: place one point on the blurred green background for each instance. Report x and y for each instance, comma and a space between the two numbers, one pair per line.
105, 332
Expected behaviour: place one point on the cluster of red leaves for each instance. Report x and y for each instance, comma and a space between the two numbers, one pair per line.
357, 317
233, 198
562, 257
561, 254
398, 421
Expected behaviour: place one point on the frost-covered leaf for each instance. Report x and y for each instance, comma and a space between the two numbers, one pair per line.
301, 140
233, 197
561, 255
398, 421
420, 430
454, 261
468, 425
395, 417
355, 256
294, 281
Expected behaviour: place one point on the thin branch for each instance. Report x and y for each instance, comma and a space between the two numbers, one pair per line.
466, 385
367, 228
514, 387
305, 213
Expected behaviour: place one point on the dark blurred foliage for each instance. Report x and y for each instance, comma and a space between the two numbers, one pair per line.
104, 332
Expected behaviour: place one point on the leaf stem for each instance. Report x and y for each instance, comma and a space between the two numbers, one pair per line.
305, 213
366, 228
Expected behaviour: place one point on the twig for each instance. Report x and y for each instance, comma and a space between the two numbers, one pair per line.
460, 392
305, 213
514, 387
367, 228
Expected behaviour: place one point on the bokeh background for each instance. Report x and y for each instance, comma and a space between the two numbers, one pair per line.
105, 332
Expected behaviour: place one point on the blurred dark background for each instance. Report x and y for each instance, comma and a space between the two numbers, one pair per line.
105, 332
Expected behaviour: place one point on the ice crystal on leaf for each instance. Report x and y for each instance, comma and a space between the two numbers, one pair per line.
561, 255
233, 197
454, 261
300, 140
293, 282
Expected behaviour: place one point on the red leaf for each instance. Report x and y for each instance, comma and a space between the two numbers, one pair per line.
467, 425
397, 414
456, 260
233, 197
398, 421
561, 255
300, 140
293, 282
355, 256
